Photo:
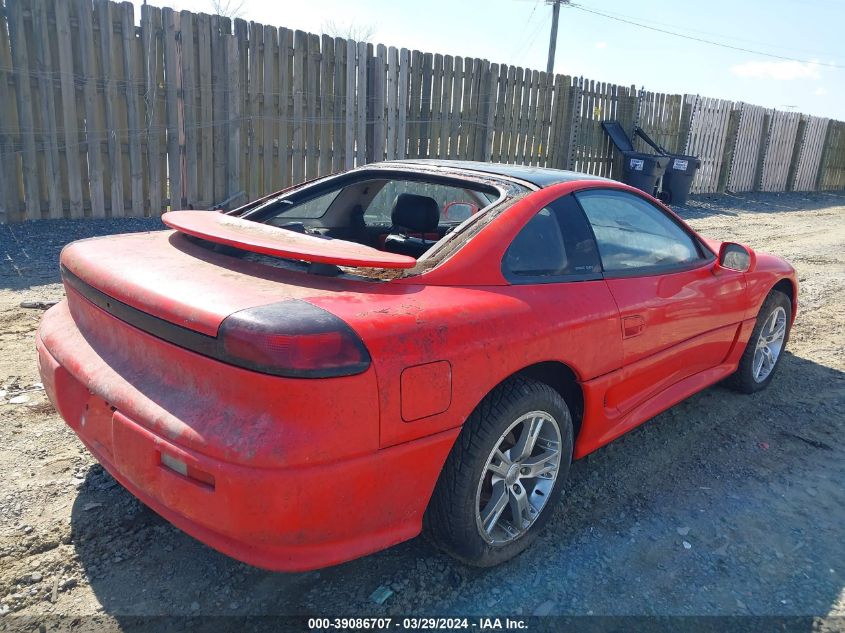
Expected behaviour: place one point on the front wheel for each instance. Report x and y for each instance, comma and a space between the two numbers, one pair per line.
766, 345
504, 474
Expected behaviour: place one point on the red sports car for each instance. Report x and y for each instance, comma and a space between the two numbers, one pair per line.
410, 345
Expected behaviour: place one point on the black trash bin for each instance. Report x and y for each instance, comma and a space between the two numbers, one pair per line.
679, 172
678, 178
643, 171
639, 170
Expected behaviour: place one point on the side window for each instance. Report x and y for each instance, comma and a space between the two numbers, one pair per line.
308, 210
554, 243
632, 233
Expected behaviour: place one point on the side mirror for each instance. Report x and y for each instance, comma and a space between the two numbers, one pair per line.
736, 257
459, 211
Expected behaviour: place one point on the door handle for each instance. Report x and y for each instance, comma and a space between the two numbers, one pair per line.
632, 325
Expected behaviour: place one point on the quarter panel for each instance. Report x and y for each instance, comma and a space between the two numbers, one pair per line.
485, 333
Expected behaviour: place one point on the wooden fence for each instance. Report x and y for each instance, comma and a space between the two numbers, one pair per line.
101, 116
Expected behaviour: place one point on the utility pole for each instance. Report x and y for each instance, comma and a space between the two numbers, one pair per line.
550, 65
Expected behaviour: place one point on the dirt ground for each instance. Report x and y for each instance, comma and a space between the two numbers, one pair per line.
725, 504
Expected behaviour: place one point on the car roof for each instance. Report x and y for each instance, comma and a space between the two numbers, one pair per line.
538, 176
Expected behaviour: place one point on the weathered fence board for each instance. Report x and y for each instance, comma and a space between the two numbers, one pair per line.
832, 169
706, 140
103, 116
779, 150
809, 159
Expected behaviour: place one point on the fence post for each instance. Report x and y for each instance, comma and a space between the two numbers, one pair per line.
576, 95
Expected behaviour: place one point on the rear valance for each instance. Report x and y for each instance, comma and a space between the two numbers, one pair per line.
270, 240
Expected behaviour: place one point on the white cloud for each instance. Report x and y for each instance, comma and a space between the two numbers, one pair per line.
601, 44
782, 70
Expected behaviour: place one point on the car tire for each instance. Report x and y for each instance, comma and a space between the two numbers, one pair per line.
756, 367
468, 487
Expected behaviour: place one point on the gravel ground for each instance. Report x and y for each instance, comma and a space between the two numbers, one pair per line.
724, 505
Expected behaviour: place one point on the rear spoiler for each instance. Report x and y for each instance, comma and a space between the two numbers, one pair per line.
277, 242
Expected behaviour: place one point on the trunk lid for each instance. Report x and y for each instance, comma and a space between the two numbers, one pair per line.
174, 278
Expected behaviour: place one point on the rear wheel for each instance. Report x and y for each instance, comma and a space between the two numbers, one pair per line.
765, 348
504, 474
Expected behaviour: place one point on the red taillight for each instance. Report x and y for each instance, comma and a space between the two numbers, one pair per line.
292, 338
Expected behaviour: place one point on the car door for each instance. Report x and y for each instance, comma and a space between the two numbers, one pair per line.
678, 316
553, 267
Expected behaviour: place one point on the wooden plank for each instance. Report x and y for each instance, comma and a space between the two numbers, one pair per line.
362, 96
254, 80
797, 147
414, 105
546, 121
473, 113
174, 123
205, 112
312, 136
270, 112
245, 168
487, 113
520, 96
219, 90
150, 26
326, 103
446, 105
392, 101
128, 46
467, 122
507, 117
93, 123
809, 160
189, 107
68, 107
23, 86
114, 98
524, 115
300, 50
339, 105
350, 118
729, 148
555, 115
11, 200
110, 60
402, 104
285, 105
43, 65
379, 102
455, 148
500, 81
425, 105
435, 105
233, 78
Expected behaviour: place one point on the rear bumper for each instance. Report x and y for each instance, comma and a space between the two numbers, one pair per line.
281, 518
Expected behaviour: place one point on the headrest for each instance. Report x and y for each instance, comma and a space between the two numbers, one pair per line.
419, 214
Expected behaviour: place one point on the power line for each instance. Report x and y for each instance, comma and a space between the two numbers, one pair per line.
703, 40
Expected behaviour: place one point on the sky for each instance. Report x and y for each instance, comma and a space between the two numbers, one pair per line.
611, 49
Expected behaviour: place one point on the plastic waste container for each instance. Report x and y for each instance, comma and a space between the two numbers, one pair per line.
678, 178
679, 172
643, 171
639, 170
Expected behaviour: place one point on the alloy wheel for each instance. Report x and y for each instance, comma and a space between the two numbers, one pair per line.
518, 477
769, 344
